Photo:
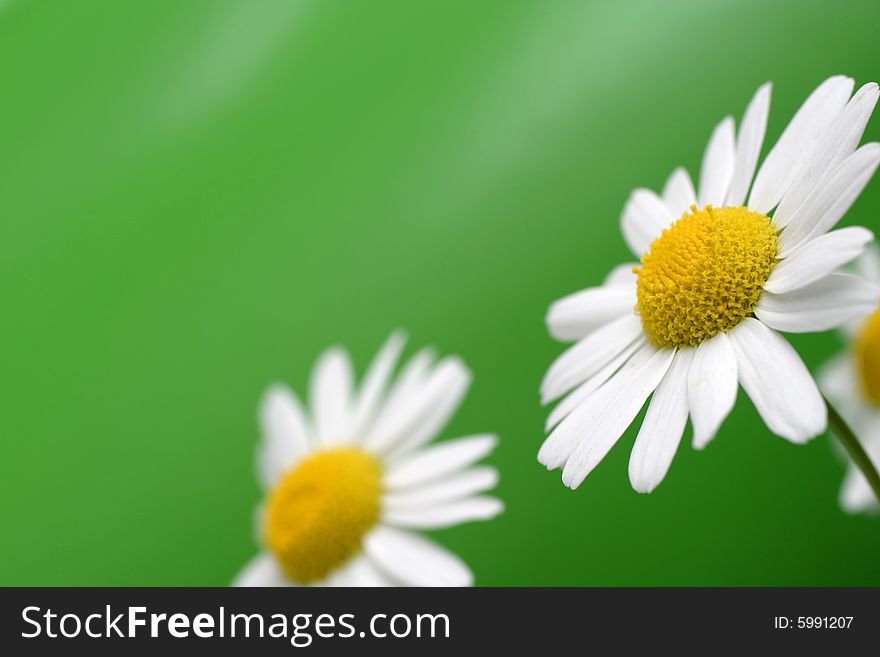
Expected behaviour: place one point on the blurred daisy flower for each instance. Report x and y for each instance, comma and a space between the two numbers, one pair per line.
723, 268
348, 483
852, 382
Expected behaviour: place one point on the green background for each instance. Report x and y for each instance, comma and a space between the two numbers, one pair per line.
197, 197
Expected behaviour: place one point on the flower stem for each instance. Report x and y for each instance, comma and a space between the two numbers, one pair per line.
854, 448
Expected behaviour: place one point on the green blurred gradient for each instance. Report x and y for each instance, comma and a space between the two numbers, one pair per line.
198, 197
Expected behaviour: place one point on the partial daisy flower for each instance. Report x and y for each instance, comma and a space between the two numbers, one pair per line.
851, 381
719, 276
348, 483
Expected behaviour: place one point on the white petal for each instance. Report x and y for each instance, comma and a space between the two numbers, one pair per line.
427, 412
444, 515
839, 381
581, 361
410, 380
375, 382
438, 414
438, 461
817, 258
263, 571
415, 560
748, 145
856, 495
330, 393
838, 143
712, 387
557, 447
798, 140
831, 199
644, 217
285, 434
716, 171
585, 436
409, 384
455, 487
576, 315
778, 383
577, 396
622, 274
360, 572
828, 303
837, 378
678, 192
662, 427
868, 266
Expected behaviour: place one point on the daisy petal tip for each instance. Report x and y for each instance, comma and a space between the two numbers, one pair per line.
640, 480
762, 94
849, 506
807, 433
548, 319
458, 371
547, 459
870, 150
274, 391
496, 509
799, 438
701, 440
839, 80
855, 497
540, 456
458, 364
276, 398
397, 339
573, 479
642, 486
773, 287
334, 352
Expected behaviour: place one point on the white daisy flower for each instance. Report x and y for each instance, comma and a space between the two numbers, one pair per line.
852, 382
719, 276
347, 484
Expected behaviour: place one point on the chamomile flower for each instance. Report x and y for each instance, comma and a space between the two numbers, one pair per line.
348, 484
722, 269
852, 382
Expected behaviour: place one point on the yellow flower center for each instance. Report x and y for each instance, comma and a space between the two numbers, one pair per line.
320, 511
704, 274
868, 358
